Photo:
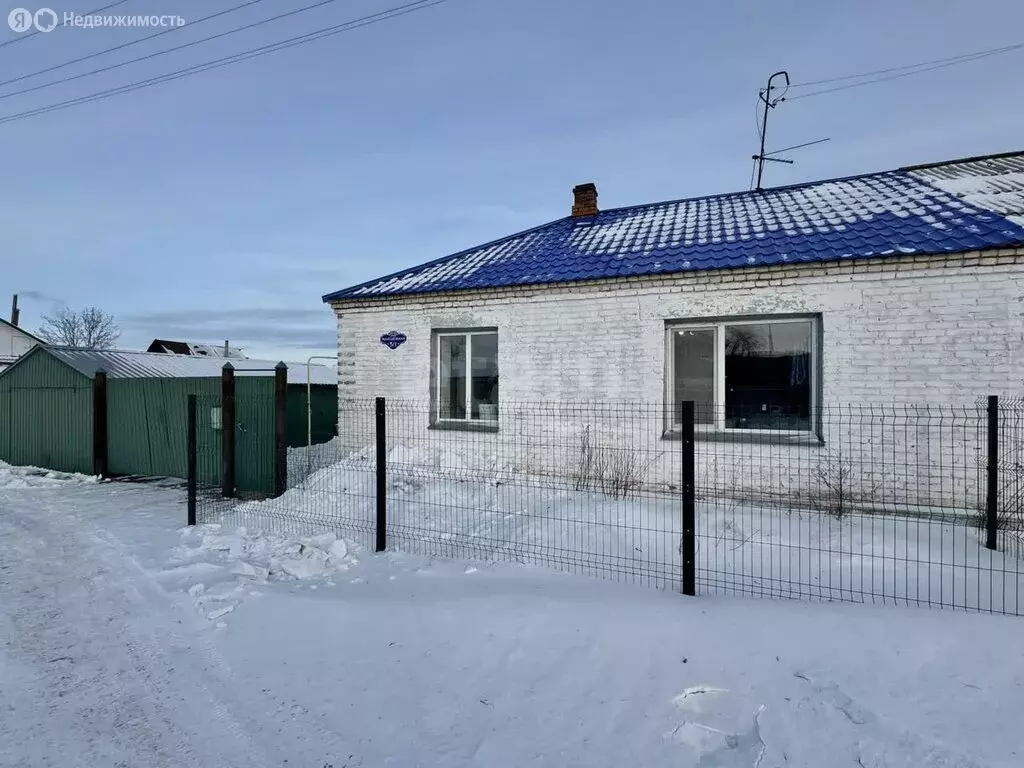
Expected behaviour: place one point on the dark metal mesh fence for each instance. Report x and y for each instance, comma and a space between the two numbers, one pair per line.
1010, 485
589, 489
328, 489
876, 504
859, 503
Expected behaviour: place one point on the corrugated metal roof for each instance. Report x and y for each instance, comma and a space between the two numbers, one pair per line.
171, 346
124, 364
993, 183
944, 208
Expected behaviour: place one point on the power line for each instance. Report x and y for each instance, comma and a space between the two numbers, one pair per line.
222, 62
901, 74
128, 44
964, 56
155, 54
795, 146
26, 36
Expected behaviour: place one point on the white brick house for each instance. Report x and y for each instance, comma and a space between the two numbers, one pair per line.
772, 310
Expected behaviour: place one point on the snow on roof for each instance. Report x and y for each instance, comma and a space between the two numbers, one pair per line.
943, 208
172, 347
124, 364
213, 350
993, 183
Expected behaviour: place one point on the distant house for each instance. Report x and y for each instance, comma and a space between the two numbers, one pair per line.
14, 342
764, 307
166, 347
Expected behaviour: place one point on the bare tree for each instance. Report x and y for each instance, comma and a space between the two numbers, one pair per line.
90, 328
741, 342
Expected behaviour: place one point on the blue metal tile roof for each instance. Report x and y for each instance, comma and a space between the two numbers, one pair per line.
944, 208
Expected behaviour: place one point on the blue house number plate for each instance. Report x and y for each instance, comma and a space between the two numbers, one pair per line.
393, 339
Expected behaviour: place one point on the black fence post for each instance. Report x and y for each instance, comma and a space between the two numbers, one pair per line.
280, 429
689, 543
190, 461
227, 430
382, 475
99, 424
992, 497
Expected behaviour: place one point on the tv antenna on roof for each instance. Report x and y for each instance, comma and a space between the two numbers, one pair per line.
768, 97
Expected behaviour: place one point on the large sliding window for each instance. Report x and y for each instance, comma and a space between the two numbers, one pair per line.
466, 371
750, 374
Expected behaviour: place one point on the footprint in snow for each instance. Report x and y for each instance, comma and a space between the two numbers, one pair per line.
877, 735
717, 728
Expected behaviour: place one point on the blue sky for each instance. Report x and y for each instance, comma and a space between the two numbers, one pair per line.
224, 205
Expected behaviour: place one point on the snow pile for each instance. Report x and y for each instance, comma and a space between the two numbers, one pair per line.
341, 491
318, 466
218, 567
37, 477
428, 458
409, 465
264, 556
305, 460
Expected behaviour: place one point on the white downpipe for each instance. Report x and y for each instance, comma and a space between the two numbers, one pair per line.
309, 407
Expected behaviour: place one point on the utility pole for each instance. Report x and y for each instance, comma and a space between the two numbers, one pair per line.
770, 102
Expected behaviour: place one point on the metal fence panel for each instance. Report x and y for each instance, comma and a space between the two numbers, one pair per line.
870, 504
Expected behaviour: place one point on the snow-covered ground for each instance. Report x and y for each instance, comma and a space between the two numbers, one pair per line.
130, 640
444, 503
36, 477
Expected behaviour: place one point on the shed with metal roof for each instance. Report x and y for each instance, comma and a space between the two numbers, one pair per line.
46, 412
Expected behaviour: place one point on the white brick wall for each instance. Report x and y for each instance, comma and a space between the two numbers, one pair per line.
13, 342
942, 330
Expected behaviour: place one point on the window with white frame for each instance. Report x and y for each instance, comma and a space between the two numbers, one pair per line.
466, 373
756, 374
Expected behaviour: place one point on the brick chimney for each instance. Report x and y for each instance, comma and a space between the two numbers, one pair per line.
584, 200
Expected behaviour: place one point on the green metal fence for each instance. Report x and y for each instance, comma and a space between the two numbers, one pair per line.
52, 416
146, 428
321, 420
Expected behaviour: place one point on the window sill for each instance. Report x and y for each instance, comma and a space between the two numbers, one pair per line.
465, 426
749, 437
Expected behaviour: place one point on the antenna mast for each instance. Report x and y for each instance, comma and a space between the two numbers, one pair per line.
770, 102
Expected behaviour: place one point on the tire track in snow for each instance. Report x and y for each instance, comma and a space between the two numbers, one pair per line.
118, 677
335, 750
